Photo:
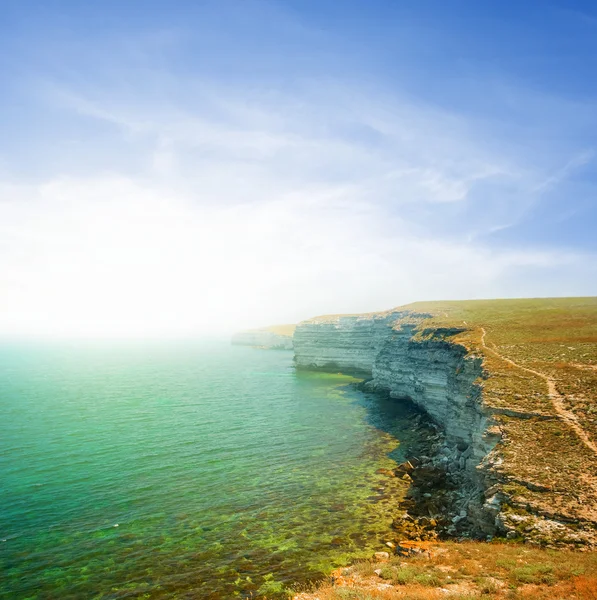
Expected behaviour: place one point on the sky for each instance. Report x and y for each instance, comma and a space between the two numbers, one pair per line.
194, 167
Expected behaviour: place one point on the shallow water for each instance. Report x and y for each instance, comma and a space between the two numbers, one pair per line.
198, 470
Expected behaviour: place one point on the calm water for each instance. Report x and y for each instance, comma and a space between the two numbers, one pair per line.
184, 471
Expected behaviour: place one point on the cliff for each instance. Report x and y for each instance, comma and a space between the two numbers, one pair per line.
522, 461
276, 337
343, 342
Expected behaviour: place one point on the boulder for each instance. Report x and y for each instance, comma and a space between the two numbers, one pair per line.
405, 468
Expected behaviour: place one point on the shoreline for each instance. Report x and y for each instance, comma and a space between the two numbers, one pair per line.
432, 507
509, 473
487, 407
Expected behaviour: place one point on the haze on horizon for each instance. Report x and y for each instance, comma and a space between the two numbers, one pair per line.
177, 168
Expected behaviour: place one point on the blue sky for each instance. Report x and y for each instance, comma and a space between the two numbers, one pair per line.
168, 166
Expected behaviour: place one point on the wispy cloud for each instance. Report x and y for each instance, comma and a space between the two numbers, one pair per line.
553, 180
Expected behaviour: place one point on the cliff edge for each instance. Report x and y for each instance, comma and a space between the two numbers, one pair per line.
511, 384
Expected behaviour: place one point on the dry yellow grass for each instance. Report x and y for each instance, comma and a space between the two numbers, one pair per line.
287, 330
467, 570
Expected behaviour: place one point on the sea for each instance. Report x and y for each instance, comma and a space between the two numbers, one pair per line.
186, 470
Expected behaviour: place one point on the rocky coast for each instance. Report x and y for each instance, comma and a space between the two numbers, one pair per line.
510, 387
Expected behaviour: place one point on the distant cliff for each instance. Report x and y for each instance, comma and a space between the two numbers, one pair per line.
276, 337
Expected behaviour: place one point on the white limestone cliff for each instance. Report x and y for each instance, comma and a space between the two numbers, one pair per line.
436, 375
402, 355
343, 342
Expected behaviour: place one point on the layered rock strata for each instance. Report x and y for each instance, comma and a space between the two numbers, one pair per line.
343, 342
425, 366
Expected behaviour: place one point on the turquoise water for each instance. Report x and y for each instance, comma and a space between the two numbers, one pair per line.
197, 470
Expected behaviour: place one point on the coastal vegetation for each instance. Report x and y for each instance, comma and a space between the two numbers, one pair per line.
466, 570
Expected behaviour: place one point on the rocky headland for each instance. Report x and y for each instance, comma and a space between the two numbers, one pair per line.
276, 337
510, 386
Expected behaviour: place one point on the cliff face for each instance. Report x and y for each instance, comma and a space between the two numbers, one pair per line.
441, 379
262, 338
342, 342
438, 376
516, 449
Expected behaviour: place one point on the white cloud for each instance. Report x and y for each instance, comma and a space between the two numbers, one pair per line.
112, 256
252, 207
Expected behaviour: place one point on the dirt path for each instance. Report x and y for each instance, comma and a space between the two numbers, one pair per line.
584, 367
557, 399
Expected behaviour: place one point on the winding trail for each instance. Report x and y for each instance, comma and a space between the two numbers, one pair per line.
556, 398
